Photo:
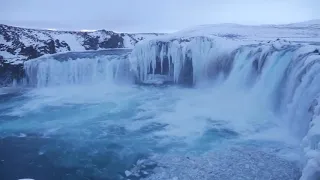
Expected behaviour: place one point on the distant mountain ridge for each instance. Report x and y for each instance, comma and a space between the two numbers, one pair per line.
19, 44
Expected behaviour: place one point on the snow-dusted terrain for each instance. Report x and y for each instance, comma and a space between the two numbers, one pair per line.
18, 43
298, 32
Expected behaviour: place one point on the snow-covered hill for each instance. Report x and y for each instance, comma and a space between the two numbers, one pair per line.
308, 31
22, 43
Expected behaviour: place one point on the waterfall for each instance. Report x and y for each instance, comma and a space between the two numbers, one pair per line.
68, 70
284, 75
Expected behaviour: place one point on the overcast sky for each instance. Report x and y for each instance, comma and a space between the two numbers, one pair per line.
152, 15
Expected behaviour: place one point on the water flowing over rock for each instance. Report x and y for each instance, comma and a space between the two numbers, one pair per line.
286, 74
86, 69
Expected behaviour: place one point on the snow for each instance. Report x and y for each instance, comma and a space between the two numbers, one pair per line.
87, 30
11, 58
27, 41
291, 32
306, 24
72, 40
7, 54
43, 36
145, 36
3, 41
128, 42
101, 34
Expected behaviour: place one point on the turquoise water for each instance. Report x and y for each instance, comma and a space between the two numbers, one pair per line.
137, 132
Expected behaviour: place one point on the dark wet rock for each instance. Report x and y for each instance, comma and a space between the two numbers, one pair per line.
255, 64
30, 52
312, 108
221, 65
10, 72
186, 74
115, 41
61, 44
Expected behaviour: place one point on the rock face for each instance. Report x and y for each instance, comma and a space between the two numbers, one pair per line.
20, 44
9, 72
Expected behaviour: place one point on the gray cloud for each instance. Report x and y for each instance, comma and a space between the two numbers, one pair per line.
152, 15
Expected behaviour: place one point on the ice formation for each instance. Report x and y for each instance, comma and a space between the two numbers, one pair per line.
285, 73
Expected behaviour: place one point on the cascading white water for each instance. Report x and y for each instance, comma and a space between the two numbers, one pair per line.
283, 76
51, 71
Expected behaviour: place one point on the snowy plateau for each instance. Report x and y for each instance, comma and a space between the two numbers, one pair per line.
276, 65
